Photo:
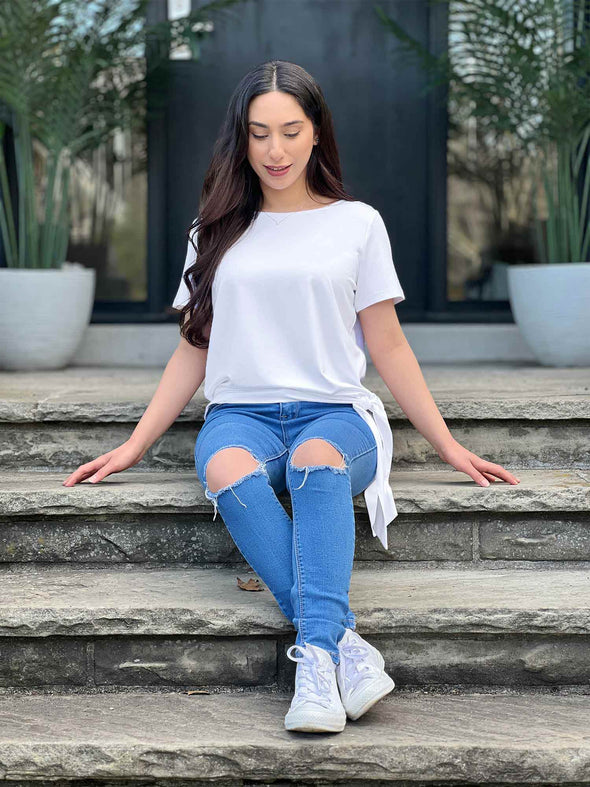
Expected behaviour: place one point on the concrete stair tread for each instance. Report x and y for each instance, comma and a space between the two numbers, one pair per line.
474, 390
475, 738
415, 491
48, 600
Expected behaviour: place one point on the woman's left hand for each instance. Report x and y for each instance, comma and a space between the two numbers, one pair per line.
479, 469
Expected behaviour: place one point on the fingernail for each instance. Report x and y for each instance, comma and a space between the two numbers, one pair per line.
486, 482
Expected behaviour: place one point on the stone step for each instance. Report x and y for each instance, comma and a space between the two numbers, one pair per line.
164, 517
516, 414
408, 738
79, 627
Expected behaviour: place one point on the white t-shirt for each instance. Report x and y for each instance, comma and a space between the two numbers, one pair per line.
285, 325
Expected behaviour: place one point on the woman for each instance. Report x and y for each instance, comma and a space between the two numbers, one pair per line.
301, 275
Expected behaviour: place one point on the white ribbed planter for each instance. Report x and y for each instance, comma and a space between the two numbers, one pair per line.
43, 315
551, 306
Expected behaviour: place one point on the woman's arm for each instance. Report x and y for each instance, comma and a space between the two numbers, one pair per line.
184, 373
396, 363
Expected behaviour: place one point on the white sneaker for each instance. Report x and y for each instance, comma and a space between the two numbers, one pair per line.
361, 675
316, 705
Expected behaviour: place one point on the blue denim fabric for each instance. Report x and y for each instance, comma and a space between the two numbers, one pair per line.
305, 561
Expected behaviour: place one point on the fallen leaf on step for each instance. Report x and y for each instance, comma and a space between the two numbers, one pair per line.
251, 584
198, 691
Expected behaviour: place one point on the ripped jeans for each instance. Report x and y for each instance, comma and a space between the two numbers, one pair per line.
305, 561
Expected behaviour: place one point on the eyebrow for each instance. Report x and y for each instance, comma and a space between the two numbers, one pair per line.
289, 123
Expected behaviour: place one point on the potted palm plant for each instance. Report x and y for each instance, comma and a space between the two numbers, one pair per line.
71, 74
522, 69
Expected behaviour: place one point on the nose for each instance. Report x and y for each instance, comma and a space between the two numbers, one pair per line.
276, 150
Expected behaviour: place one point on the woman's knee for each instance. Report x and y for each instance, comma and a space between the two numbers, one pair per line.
227, 466
316, 451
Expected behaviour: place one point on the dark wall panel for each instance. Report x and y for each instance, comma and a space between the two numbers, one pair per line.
383, 125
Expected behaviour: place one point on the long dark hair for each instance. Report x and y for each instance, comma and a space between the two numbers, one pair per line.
231, 195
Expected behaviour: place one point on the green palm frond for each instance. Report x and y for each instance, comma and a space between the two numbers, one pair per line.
522, 68
70, 74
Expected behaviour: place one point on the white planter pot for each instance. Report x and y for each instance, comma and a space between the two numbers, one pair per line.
551, 306
43, 315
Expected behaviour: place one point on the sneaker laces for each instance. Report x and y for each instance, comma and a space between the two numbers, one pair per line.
356, 654
313, 678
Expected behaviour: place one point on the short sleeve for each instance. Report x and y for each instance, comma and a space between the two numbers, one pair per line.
182, 295
377, 278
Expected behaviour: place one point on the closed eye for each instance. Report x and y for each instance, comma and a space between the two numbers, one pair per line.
287, 135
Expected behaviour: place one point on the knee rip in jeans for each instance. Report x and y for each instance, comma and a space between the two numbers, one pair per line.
260, 470
340, 469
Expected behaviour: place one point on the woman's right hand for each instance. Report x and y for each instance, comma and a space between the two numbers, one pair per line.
121, 458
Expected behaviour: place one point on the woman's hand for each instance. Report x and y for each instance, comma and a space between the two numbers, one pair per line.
479, 469
126, 455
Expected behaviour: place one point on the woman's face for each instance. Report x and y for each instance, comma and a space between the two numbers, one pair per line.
276, 141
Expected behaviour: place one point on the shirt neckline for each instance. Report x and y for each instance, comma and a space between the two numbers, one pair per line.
292, 212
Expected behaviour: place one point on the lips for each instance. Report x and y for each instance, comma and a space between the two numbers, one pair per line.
282, 169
